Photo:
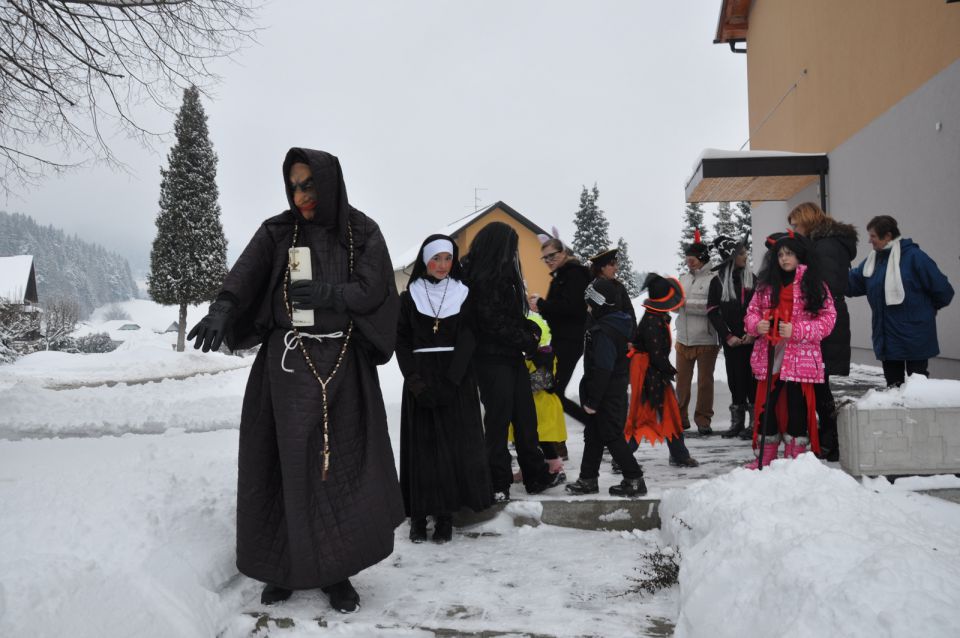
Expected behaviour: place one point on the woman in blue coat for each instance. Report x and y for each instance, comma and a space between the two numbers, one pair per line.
905, 289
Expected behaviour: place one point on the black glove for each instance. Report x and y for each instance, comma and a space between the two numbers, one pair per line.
307, 294
543, 358
211, 330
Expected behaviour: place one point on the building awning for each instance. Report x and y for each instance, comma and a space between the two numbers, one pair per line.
754, 176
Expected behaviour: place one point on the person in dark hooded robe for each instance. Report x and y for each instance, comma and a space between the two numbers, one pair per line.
317, 494
443, 465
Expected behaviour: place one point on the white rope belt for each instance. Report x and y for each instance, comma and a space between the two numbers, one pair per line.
290, 343
436, 349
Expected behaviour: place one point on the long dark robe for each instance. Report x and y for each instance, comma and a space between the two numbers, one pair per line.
294, 529
443, 461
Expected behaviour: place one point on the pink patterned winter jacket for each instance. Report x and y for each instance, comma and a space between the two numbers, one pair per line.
802, 360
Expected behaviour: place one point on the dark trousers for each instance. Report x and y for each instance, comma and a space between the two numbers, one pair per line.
743, 387
568, 352
507, 398
893, 371
796, 410
676, 445
826, 415
605, 430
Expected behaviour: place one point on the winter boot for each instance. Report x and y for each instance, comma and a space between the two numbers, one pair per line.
547, 480
443, 529
794, 446
418, 529
562, 450
272, 595
555, 465
629, 488
747, 433
704, 430
738, 414
583, 486
687, 462
615, 467
343, 597
769, 454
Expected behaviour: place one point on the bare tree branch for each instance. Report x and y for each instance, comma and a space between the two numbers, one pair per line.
72, 70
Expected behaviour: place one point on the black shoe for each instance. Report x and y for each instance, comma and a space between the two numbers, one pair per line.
747, 434
562, 450
272, 595
738, 414
688, 462
551, 479
832, 455
418, 529
583, 486
629, 488
443, 529
705, 431
343, 597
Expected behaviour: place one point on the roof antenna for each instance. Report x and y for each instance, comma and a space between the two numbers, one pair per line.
476, 198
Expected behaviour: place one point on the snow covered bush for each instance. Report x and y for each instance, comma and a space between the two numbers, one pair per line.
95, 343
115, 311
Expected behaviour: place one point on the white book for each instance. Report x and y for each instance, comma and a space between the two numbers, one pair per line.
301, 268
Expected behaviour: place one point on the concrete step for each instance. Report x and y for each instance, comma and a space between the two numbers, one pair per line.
580, 513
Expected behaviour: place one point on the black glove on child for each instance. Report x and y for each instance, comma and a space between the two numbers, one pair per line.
543, 358
307, 294
211, 330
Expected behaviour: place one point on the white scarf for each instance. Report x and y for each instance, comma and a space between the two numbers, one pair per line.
893, 283
439, 300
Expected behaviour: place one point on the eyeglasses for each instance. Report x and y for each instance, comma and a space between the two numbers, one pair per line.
305, 187
551, 256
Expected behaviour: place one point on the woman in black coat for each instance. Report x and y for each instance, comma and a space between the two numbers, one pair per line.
834, 249
504, 338
566, 314
443, 466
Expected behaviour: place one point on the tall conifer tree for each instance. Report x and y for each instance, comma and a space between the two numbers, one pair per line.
724, 224
692, 221
743, 224
189, 257
591, 234
625, 272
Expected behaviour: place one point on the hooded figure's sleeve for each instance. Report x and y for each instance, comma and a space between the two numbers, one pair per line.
245, 285
370, 296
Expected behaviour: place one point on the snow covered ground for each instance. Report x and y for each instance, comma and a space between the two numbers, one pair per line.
117, 497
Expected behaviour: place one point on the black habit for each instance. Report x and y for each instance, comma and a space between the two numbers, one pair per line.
295, 530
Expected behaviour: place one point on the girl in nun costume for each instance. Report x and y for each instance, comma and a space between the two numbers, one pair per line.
442, 462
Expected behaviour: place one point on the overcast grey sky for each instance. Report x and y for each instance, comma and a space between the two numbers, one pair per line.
425, 100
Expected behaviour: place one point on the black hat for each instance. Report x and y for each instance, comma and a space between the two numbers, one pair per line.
601, 293
663, 293
796, 242
697, 249
603, 258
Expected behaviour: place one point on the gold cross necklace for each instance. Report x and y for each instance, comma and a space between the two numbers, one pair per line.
436, 313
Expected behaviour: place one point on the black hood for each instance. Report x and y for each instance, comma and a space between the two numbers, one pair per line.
844, 234
333, 209
420, 269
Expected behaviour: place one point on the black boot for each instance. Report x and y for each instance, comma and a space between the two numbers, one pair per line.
442, 529
738, 414
343, 597
546, 480
629, 488
418, 529
583, 486
272, 595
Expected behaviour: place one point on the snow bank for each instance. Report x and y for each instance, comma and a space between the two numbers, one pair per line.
149, 314
802, 550
917, 392
128, 536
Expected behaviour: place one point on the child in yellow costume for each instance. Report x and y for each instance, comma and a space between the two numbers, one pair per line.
551, 423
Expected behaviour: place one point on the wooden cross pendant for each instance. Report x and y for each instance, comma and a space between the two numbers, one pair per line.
436, 325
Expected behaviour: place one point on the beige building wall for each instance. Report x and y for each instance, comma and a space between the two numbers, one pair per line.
861, 57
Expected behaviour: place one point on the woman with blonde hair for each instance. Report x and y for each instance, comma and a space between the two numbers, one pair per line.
834, 246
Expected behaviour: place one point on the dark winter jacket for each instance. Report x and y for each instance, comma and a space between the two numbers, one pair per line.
727, 316
503, 332
834, 248
564, 307
605, 360
908, 331
653, 337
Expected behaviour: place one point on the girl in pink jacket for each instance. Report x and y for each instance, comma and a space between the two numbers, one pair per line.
793, 311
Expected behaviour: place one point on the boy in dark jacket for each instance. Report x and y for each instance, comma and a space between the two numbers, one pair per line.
603, 393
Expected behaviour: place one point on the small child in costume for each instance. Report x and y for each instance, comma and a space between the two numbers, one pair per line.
792, 311
654, 411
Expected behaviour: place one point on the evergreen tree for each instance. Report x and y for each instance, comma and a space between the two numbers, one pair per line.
591, 235
625, 272
692, 221
724, 224
743, 224
189, 257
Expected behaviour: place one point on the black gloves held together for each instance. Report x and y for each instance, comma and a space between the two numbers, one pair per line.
431, 395
211, 330
307, 294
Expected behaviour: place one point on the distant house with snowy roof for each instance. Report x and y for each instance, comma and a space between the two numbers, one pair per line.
463, 231
18, 293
